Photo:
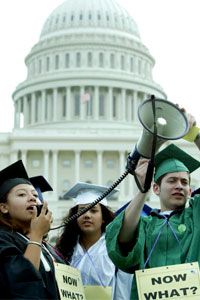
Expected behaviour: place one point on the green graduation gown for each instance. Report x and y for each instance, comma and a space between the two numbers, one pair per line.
167, 251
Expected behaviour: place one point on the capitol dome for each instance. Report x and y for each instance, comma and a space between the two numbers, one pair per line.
76, 111
80, 15
88, 49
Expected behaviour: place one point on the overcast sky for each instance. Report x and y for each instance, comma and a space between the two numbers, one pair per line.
169, 29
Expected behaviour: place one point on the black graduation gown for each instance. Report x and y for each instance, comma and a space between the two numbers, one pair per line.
18, 277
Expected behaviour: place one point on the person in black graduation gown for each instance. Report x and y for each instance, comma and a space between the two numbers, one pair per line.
26, 266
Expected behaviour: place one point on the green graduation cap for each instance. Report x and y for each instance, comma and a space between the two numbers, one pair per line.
173, 159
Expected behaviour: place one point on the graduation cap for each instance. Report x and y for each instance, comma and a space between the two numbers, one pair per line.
173, 159
86, 193
11, 176
41, 185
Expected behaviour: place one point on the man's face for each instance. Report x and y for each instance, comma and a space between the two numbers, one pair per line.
173, 191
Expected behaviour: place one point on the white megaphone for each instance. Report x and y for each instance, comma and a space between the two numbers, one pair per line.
170, 122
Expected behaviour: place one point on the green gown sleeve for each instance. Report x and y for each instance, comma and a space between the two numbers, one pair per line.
129, 261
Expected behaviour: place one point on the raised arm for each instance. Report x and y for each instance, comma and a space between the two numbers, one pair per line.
134, 209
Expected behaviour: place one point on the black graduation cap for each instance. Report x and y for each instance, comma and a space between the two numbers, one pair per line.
11, 176
41, 185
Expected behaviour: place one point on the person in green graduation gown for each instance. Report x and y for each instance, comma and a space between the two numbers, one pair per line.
170, 235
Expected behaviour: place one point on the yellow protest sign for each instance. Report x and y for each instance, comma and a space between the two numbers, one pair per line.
170, 282
94, 292
69, 282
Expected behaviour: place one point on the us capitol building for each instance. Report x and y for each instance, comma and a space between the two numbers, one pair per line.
76, 112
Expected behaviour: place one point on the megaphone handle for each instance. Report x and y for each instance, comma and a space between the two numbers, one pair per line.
132, 161
149, 176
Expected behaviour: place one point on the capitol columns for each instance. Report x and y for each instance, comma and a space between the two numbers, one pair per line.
33, 100
55, 172
123, 104
43, 99
96, 102
122, 167
46, 164
129, 105
82, 103
17, 113
135, 106
68, 102
55, 101
25, 110
77, 165
24, 157
110, 103
99, 167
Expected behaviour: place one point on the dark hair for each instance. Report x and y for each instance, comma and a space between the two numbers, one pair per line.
69, 237
5, 218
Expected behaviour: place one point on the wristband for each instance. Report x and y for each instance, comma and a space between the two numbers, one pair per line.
35, 243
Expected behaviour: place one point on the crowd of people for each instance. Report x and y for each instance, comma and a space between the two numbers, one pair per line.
105, 248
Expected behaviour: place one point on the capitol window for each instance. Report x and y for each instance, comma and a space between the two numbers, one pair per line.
57, 62
88, 163
89, 59
101, 60
37, 108
78, 59
131, 64
47, 64
112, 61
101, 105
35, 163
66, 163
64, 106
76, 105
67, 60
40, 66
33, 67
139, 66
114, 106
122, 62
110, 163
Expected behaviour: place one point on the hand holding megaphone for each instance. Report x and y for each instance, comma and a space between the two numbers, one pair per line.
193, 131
